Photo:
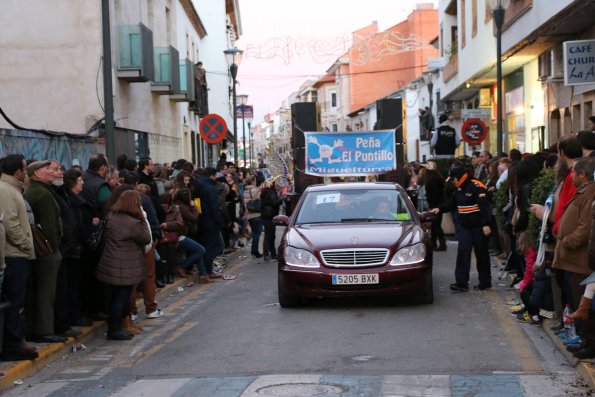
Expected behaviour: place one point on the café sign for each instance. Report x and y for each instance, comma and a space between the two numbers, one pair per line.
579, 62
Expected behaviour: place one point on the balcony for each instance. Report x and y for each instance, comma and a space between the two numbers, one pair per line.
187, 83
167, 71
136, 53
451, 68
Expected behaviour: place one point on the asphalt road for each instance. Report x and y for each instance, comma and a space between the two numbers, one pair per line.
232, 339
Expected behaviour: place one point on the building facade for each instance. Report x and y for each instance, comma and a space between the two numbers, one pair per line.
53, 51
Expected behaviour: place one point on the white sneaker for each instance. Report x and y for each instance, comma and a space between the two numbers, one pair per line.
156, 314
134, 317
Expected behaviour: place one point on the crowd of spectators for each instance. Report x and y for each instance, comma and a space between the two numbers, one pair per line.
543, 228
78, 246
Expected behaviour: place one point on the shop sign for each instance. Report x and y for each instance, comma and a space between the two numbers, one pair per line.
475, 113
474, 131
579, 62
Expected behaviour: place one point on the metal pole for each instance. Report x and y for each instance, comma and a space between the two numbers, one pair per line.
251, 144
110, 135
234, 72
499, 20
244, 134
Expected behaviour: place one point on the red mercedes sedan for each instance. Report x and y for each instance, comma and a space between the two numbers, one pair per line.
354, 239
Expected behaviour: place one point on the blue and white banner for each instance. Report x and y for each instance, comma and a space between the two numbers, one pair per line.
350, 153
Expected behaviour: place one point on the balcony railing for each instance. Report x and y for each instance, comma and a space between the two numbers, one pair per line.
451, 68
187, 83
167, 71
136, 53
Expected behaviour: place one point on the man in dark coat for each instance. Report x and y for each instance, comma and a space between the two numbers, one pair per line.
210, 221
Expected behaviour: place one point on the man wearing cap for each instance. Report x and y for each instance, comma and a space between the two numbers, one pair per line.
473, 218
445, 139
40, 306
18, 255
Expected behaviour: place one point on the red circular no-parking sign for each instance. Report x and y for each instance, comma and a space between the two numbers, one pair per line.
474, 131
213, 128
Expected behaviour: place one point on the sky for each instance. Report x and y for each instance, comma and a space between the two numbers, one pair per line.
288, 42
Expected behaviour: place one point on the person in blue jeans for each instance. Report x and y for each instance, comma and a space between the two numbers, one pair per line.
252, 193
194, 255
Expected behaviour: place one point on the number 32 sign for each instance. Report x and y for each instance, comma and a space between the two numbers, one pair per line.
474, 131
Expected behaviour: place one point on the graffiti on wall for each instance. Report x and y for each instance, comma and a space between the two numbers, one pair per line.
37, 146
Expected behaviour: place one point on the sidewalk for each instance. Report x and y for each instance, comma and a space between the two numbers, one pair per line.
585, 368
14, 371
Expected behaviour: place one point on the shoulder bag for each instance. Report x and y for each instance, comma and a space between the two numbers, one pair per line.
40, 242
254, 205
96, 240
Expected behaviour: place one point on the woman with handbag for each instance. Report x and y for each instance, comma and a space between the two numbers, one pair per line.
171, 228
122, 262
253, 203
187, 240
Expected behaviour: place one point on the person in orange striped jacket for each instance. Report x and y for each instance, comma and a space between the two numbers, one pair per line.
473, 219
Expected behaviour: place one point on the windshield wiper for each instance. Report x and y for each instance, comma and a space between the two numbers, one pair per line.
367, 220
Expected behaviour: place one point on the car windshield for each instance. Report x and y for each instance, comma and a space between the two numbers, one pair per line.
353, 205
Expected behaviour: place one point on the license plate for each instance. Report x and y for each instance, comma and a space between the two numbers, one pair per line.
355, 279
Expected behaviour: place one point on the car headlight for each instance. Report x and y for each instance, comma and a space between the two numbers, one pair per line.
298, 257
409, 255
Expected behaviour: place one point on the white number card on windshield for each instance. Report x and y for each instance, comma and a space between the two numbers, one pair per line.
328, 198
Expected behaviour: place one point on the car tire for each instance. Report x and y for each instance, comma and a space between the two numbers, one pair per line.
427, 297
288, 300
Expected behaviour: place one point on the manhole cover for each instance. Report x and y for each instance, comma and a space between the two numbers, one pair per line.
300, 390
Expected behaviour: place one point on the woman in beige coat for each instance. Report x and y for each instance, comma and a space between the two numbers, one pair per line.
122, 262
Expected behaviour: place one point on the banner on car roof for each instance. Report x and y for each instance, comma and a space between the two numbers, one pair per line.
350, 153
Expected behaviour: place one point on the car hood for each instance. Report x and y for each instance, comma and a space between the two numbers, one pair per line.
316, 237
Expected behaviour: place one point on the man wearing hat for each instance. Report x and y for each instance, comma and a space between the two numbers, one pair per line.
445, 139
473, 219
44, 273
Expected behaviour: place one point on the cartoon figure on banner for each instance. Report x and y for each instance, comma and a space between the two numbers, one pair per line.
325, 151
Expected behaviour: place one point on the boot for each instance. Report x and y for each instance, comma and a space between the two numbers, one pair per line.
442, 246
128, 327
582, 313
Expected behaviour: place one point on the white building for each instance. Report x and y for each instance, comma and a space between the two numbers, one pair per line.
51, 73
537, 107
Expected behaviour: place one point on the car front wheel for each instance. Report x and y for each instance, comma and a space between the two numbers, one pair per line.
288, 300
427, 296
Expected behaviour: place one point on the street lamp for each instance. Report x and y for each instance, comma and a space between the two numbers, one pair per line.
499, 8
233, 56
243, 99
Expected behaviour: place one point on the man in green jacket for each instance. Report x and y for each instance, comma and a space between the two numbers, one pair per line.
40, 307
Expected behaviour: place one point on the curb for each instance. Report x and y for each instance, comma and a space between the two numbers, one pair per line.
584, 368
48, 353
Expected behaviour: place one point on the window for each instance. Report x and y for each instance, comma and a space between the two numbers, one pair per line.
334, 127
333, 99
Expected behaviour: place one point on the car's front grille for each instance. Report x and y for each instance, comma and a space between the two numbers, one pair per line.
354, 257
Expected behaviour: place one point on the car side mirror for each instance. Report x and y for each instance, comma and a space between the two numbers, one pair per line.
281, 220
